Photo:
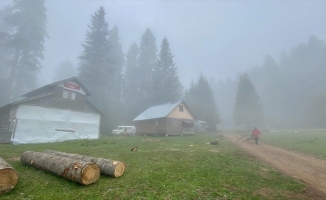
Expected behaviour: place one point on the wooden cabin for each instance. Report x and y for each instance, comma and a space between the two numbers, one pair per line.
173, 118
55, 112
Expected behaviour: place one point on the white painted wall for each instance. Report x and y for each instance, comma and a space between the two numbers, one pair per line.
38, 125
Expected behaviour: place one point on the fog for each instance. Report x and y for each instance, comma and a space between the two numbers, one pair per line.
216, 37
219, 39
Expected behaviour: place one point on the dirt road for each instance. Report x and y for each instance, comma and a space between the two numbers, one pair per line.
306, 168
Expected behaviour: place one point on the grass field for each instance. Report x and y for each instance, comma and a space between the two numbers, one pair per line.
163, 168
308, 142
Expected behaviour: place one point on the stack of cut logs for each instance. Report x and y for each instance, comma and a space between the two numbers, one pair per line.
79, 168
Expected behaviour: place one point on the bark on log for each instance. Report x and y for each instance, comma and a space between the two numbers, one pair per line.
80, 171
108, 167
8, 177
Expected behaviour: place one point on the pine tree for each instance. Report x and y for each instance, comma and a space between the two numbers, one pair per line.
132, 97
207, 109
146, 61
165, 82
190, 96
95, 69
201, 101
247, 109
118, 62
131, 79
27, 44
5, 29
118, 59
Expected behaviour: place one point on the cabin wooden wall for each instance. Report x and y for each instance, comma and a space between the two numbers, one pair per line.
146, 127
163, 126
56, 100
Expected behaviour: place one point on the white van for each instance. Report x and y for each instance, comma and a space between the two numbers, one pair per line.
124, 130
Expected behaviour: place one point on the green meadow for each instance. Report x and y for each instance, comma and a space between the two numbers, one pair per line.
163, 168
311, 142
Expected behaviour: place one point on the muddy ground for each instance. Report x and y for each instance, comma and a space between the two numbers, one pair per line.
305, 168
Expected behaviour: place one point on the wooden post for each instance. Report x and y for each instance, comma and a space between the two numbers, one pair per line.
107, 167
8, 177
80, 171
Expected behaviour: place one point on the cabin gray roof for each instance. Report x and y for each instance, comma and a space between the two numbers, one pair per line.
158, 111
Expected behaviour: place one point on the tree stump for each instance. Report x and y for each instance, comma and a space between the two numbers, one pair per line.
107, 167
8, 177
80, 171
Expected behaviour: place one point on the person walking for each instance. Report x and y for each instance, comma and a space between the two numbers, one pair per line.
255, 134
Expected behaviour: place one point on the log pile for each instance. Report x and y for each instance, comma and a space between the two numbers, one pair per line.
8, 177
83, 172
107, 167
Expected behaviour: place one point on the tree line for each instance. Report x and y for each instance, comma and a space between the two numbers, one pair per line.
289, 92
285, 93
122, 85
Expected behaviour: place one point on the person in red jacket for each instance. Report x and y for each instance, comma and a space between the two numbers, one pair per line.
255, 134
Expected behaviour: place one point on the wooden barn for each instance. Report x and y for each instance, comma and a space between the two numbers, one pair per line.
167, 119
55, 112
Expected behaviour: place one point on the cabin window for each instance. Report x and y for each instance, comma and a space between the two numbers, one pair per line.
73, 95
67, 94
181, 108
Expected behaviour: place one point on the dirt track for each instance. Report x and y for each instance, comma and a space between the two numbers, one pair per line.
308, 169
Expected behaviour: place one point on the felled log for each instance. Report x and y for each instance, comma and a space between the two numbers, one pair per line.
107, 167
8, 177
80, 171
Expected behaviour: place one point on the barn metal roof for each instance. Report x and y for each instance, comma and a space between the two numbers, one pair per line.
38, 90
158, 111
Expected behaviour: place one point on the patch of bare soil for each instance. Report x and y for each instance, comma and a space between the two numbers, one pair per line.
302, 167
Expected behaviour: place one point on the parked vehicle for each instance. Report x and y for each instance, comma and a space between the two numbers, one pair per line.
124, 130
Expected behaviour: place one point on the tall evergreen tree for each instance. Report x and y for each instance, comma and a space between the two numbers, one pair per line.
146, 61
95, 69
133, 100
5, 29
118, 63
5, 57
165, 82
268, 82
27, 44
247, 108
131, 79
201, 101
118, 60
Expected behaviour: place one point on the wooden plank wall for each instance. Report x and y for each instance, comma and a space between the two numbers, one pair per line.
163, 126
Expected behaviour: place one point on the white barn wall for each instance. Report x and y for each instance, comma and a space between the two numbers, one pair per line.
38, 125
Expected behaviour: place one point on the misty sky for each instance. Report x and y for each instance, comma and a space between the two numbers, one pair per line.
219, 38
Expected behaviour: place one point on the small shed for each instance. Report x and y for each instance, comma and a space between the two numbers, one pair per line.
173, 118
55, 112
201, 126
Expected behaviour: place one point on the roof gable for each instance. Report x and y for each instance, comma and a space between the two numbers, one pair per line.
158, 111
184, 114
64, 83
